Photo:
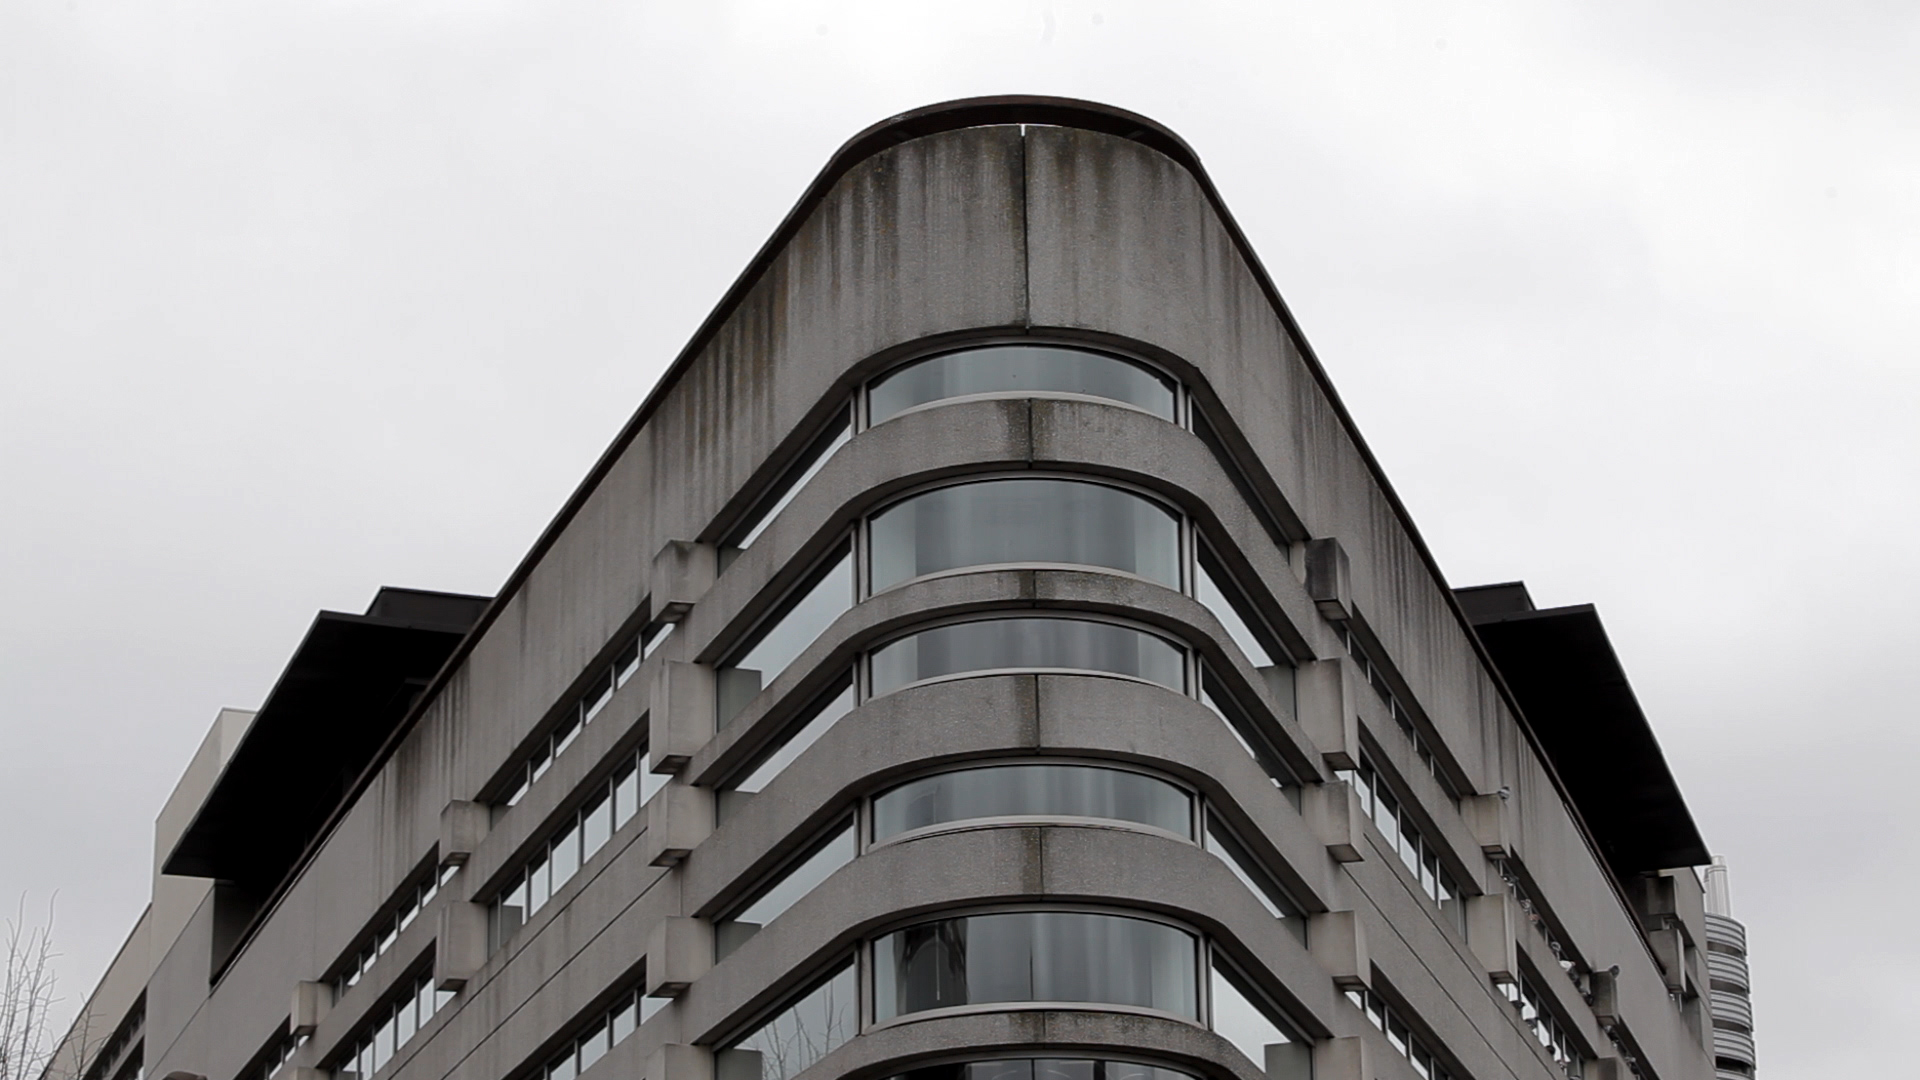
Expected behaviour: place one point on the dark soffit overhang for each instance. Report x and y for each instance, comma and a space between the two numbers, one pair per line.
1575, 695
347, 688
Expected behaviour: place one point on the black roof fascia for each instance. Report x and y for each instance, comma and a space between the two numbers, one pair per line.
1561, 665
350, 683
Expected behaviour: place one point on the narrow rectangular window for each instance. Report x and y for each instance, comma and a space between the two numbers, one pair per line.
793, 883
834, 704
799, 1035
837, 434
1242, 1017
1227, 847
807, 613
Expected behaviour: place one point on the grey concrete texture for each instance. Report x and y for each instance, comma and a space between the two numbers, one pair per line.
979, 232
1062, 1032
906, 882
970, 719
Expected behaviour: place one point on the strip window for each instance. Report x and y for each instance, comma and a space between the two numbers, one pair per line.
803, 617
1124, 960
1543, 1025
1228, 849
410, 901
395, 1025
280, 1050
808, 1028
1393, 1024
1421, 855
1563, 954
794, 882
1215, 696
784, 748
600, 1033
1376, 676
1242, 1016
609, 804
836, 435
1021, 370
124, 1047
586, 705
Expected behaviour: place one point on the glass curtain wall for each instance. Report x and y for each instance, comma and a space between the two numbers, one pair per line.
1033, 791
1028, 643
1037, 956
1024, 521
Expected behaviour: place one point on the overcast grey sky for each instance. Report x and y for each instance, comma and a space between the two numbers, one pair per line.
304, 298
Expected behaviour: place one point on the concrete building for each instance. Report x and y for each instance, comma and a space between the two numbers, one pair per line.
991, 652
1732, 989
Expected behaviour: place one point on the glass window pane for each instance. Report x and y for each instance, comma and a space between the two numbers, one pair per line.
1242, 1022
1228, 849
795, 883
830, 712
622, 1022
596, 824
821, 452
626, 795
1018, 369
565, 858
1028, 520
1036, 956
1030, 791
1214, 598
1004, 644
819, 604
597, 695
800, 1035
593, 1043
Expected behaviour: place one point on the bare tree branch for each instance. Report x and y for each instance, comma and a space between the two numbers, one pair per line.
26, 996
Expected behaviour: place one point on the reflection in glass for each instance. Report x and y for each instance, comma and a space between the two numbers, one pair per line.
1207, 590
1036, 956
1252, 1030
1019, 369
818, 604
831, 708
1026, 520
733, 931
1043, 1069
1001, 644
1227, 847
1032, 791
798, 1036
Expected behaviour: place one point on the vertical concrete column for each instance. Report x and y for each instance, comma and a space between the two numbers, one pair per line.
461, 947
1490, 819
1329, 710
463, 825
679, 817
1338, 940
1342, 1058
1492, 934
1333, 813
311, 1000
679, 950
1330, 579
679, 714
678, 1061
682, 572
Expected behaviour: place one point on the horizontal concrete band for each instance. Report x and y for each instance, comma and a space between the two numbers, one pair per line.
953, 871
1034, 1033
1083, 717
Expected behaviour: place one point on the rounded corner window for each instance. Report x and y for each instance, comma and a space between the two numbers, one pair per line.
1021, 369
1033, 790
1015, 520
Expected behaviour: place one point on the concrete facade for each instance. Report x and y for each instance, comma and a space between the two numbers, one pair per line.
1003, 221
